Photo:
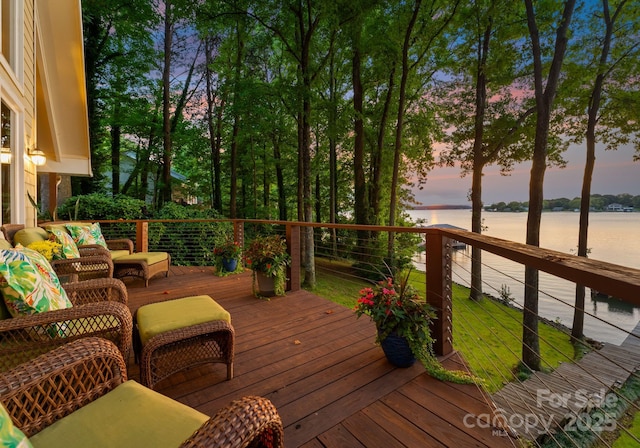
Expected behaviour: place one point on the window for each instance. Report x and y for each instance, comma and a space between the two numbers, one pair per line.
7, 155
7, 30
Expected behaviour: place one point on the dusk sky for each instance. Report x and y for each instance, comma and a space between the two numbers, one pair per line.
615, 173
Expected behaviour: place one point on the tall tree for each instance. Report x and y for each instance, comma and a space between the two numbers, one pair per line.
545, 92
489, 120
430, 31
608, 69
117, 46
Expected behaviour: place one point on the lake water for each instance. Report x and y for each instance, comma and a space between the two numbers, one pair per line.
613, 237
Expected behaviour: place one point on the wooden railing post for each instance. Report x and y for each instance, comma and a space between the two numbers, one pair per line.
142, 236
293, 247
438, 253
238, 232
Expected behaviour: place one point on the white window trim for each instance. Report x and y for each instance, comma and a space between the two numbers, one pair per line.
19, 155
16, 71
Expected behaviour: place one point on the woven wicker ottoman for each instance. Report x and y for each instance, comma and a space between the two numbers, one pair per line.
174, 335
142, 264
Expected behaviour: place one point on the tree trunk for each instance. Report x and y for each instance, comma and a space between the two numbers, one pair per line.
479, 161
116, 132
233, 151
282, 197
577, 329
376, 168
214, 172
397, 149
360, 188
165, 193
545, 96
307, 232
333, 147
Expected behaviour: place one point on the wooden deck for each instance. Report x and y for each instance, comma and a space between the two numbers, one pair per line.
320, 367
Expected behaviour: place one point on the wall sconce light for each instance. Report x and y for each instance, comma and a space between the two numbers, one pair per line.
5, 156
37, 157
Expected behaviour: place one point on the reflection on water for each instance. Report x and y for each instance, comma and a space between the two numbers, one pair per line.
612, 238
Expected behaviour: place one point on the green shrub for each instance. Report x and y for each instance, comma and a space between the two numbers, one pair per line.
97, 206
172, 210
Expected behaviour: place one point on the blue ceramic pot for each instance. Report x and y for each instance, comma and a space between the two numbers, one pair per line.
396, 349
229, 264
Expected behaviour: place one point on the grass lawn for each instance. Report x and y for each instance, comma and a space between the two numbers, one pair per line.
487, 333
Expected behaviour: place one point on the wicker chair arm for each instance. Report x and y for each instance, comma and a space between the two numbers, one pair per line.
250, 421
120, 244
93, 249
53, 385
93, 265
25, 337
97, 290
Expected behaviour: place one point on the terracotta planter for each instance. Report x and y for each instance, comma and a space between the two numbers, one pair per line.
265, 284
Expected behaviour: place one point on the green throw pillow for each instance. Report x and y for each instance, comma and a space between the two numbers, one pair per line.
28, 283
87, 234
10, 436
69, 247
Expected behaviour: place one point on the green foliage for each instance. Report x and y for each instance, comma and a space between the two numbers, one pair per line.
598, 203
267, 254
171, 210
97, 206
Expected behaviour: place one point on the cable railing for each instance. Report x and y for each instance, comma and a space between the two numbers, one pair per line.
583, 388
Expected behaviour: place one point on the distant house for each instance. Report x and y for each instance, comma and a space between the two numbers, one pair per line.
44, 122
178, 181
615, 207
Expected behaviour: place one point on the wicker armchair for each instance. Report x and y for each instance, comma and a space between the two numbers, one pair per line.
99, 309
94, 262
57, 384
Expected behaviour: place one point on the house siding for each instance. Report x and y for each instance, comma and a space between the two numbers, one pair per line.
29, 101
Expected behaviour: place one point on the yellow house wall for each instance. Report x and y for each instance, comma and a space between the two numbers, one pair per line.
30, 173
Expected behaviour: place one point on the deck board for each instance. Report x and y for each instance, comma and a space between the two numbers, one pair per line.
320, 367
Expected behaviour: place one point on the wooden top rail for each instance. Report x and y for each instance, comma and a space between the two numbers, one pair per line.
618, 281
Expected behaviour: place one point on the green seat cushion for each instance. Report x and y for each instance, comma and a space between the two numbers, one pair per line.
129, 416
161, 317
62, 227
30, 235
118, 253
149, 257
10, 436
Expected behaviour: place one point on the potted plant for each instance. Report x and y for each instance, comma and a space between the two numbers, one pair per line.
402, 320
227, 256
268, 258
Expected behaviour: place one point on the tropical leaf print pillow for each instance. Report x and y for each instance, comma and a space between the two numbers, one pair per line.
10, 436
84, 234
28, 283
69, 247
